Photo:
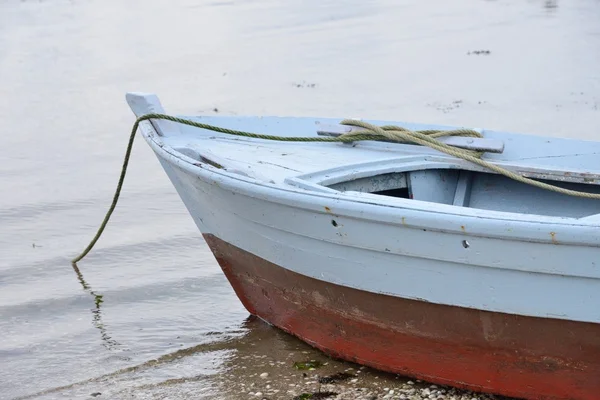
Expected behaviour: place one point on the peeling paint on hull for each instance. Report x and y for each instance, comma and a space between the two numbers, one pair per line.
511, 355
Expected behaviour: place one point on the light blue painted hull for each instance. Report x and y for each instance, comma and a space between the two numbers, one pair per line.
512, 249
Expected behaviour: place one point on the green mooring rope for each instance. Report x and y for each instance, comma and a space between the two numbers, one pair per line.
370, 132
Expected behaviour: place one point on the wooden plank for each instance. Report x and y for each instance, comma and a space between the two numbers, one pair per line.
469, 143
462, 196
436, 186
372, 184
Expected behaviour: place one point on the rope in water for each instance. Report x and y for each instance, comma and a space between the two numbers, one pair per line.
370, 132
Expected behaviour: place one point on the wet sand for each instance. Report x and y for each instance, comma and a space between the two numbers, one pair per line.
256, 361
151, 289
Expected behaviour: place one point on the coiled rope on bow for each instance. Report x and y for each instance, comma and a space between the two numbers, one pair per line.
369, 132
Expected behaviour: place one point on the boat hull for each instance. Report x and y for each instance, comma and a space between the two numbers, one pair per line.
497, 302
518, 356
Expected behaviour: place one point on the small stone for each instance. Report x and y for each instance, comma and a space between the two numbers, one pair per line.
264, 374
392, 391
95, 394
386, 389
410, 382
258, 394
354, 380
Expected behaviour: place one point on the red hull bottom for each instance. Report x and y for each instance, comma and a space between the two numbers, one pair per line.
525, 357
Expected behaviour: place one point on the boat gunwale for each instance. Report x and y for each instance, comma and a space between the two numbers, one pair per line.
415, 213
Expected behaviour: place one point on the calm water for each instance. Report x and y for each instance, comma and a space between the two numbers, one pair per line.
151, 288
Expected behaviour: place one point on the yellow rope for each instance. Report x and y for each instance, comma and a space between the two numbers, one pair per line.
401, 134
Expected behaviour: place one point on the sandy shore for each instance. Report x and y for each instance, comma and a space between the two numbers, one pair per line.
261, 362
279, 376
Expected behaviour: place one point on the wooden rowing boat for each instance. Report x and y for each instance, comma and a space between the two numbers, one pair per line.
401, 257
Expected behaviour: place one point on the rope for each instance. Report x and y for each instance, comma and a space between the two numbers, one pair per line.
370, 132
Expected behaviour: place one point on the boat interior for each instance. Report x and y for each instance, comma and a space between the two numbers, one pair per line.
430, 177
445, 180
475, 189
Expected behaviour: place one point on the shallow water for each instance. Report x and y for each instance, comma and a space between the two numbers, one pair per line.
151, 287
